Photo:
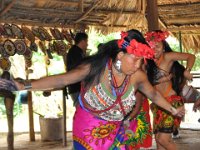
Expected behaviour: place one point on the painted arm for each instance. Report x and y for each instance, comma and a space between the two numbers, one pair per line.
145, 87
58, 81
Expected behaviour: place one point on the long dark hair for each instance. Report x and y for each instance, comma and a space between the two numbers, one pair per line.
177, 70
105, 52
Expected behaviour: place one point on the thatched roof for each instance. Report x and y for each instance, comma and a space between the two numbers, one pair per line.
106, 15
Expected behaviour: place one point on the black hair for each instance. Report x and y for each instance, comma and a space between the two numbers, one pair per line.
177, 70
79, 37
105, 52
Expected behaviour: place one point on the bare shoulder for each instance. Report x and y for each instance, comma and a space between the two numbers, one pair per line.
138, 76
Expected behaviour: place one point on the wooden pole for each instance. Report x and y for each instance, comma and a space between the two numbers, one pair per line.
64, 118
65, 96
152, 15
180, 43
30, 112
31, 121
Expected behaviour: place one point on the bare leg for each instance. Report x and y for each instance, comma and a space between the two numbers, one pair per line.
9, 112
164, 141
158, 145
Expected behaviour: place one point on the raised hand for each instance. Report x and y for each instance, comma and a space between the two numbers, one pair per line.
180, 111
196, 105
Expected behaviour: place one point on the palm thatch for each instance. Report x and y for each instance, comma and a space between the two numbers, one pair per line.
106, 15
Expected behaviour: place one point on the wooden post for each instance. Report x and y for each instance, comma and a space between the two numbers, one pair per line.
152, 15
31, 122
180, 43
65, 96
64, 119
30, 111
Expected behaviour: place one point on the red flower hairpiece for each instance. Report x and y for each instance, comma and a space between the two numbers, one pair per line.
156, 36
122, 42
136, 48
152, 37
141, 50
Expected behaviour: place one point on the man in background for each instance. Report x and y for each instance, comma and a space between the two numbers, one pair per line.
75, 56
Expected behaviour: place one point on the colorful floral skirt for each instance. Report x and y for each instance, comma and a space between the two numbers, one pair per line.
163, 121
92, 133
143, 130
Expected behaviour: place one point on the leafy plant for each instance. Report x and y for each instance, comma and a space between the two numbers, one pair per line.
17, 109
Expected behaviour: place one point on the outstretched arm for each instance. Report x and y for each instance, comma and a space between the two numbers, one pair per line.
156, 97
58, 81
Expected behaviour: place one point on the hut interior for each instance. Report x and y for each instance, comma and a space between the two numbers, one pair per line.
180, 17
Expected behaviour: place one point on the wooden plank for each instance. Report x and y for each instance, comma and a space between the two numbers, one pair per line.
152, 15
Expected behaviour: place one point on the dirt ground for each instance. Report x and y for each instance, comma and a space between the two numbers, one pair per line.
189, 140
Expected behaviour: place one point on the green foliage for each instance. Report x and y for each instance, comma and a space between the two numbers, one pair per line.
175, 47
16, 110
95, 38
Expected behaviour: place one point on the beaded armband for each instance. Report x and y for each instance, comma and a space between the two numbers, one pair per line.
27, 85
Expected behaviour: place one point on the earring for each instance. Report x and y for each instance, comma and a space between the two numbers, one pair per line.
118, 65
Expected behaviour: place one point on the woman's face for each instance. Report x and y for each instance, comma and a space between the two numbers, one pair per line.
158, 48
130, 63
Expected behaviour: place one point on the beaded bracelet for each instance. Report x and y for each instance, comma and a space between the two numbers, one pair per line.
27, 85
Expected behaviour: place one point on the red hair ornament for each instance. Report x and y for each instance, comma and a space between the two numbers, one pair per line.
152, 37
135, 48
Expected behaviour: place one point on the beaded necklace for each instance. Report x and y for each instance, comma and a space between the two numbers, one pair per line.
117, 90
112, 80
118, 93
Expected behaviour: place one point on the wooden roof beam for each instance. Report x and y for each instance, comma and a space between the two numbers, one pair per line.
5, 9
162, 23
96, 3
178, 4
38, 11
183, 21
2, 3
36, 23
44, 10
72, 3
186, 28
81, 6
19, 13
107, 11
